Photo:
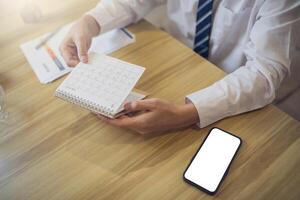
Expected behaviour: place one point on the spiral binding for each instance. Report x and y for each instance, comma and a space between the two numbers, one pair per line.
94, 107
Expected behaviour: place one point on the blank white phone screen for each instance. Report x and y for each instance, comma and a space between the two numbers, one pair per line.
212, 160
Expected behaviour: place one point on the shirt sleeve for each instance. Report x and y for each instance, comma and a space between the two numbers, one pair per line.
112, 14
268, 52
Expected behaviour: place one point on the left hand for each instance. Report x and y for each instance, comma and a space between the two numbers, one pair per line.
156, 116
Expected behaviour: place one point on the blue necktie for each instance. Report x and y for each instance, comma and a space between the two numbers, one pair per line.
203, 27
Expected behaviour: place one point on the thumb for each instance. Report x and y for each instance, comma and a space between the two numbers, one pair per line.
141, 105
82, 49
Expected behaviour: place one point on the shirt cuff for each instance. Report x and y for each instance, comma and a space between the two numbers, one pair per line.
109, 19
211, 104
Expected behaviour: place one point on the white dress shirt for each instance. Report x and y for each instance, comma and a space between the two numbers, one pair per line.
252, 40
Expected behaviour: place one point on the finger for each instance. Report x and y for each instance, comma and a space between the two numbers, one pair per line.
141, 105
72, 62
82, 49
68, 55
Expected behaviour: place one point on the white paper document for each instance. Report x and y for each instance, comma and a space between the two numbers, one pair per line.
48, 64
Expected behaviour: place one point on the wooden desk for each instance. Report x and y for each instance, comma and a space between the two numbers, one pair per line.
54, 150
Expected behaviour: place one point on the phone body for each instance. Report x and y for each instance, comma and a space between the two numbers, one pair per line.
211, 163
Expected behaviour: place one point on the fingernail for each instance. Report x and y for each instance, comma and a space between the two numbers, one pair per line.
127, 106
84, 59
134, 105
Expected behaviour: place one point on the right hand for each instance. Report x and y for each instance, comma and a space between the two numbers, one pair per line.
76, 44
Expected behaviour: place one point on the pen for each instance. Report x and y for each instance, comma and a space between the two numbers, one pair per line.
126, 32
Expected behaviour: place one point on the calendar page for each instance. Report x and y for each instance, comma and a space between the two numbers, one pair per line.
104, 81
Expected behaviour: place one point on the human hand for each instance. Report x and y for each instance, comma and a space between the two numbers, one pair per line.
156, 116
76, 44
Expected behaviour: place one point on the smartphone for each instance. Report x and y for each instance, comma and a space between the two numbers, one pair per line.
210, 164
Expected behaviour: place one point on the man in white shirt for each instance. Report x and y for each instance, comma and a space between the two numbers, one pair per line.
253, 40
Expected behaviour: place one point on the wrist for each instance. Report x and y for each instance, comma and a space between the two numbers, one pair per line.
92, 24
189, 113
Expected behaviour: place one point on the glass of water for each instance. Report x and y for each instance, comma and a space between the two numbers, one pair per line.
3, 113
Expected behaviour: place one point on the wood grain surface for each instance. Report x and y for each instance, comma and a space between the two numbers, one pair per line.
50, 149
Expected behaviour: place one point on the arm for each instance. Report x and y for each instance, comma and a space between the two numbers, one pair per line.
252, 86
108, 14
112, 14
268, 53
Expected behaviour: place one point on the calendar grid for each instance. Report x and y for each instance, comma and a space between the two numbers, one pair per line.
104, 81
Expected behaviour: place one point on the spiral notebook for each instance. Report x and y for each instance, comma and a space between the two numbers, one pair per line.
102, 86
